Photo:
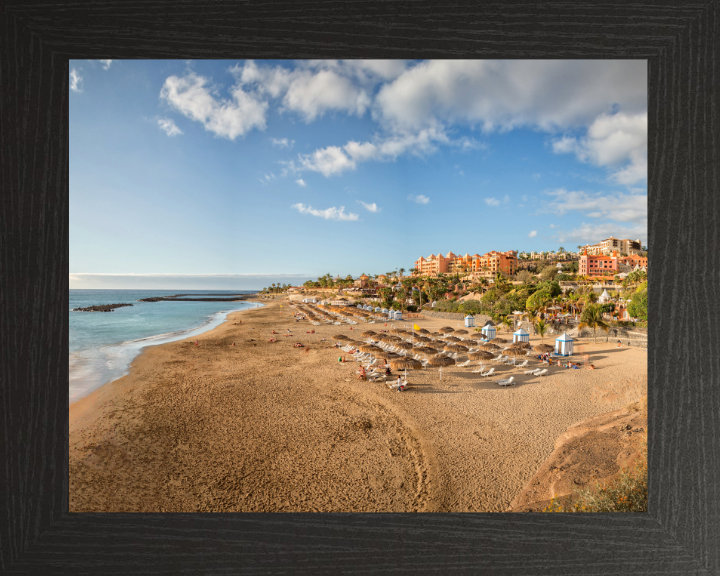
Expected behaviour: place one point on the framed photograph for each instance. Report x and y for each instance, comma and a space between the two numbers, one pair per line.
272, 367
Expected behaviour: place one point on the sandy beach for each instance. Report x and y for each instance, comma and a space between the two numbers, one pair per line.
267, 427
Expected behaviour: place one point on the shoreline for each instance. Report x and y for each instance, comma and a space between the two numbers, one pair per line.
203, 328
264, 427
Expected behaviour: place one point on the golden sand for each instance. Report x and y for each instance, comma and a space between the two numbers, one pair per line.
267, 427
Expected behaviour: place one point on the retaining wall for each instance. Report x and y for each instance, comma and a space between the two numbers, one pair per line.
480, 319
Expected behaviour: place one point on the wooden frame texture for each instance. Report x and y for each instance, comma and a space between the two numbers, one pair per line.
681, 532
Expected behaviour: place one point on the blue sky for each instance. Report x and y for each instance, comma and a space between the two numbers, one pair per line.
235, 174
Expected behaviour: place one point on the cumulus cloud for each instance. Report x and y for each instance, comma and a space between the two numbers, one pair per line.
106, 64
169, 127
618, 207
492, 201
328, 161
532, 234
552, 95
420, 199
231, 118
617, 141
329, 213
300, 182
591, 233
266, 178
308, 91
282, 142
75, 80
370, 207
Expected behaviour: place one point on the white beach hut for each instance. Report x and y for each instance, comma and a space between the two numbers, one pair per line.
385, 311
604, 297
469, 321
564, 345
489, 330
521, 336
378, 309
398, 315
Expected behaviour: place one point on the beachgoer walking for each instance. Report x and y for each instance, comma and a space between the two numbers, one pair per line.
196, 342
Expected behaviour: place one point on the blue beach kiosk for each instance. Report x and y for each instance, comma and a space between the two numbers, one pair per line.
489, 330
469, 321
398, 315
563, 345
521, 336
378, 309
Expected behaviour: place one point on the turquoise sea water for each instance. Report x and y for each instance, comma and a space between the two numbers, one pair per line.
103, 344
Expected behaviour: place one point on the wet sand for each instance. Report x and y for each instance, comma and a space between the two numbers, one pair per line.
266, 427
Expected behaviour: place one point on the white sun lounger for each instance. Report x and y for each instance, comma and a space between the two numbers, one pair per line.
488, 373
479, 370
463, 364
542, 372
505, 382
521, 365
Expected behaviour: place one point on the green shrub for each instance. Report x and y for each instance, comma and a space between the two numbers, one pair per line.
627, 493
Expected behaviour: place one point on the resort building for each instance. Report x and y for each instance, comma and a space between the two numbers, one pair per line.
595, 265
607, 246
487, 265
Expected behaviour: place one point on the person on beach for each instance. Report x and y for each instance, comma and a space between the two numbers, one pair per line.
196, 343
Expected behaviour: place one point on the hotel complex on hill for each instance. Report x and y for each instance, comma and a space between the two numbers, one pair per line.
486, 265
601, 265
610, 245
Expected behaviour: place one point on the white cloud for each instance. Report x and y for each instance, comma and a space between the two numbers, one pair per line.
282, 142
492, 201
551, 95
266, 178
226, 118
593, 233
300, 182
75, 80
532, 234
617, 206
612, 140
106, 64
169, 126
329, 214
370, 207
554, 226
328, 161
420, 199
309, 91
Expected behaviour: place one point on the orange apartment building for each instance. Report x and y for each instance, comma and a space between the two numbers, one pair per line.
487, 265
601, 265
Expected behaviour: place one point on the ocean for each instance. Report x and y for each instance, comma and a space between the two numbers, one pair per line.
103, 344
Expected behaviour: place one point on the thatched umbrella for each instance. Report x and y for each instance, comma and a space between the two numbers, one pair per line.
426, 350
490, 347
368, 333
405, 345
424, 331
387, 356
437, 345
455, 348
396, 331
543, 348
515, 352
392, 339
481, 355
370, 349
440, 361
447, 330
452, 339
340, 337
501, 340
462, 331
405, 363
524, 345
422, 339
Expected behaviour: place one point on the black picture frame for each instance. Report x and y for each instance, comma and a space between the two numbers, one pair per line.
681, 532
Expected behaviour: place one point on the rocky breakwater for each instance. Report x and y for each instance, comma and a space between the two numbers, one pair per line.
100, 308
182, 298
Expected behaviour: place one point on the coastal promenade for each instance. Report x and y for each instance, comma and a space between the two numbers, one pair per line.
241, 424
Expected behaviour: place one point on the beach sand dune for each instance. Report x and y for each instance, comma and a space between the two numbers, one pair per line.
267, 427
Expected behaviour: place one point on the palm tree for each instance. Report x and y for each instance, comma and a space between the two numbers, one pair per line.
540, 328
507, 322
402, 271
592, 318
